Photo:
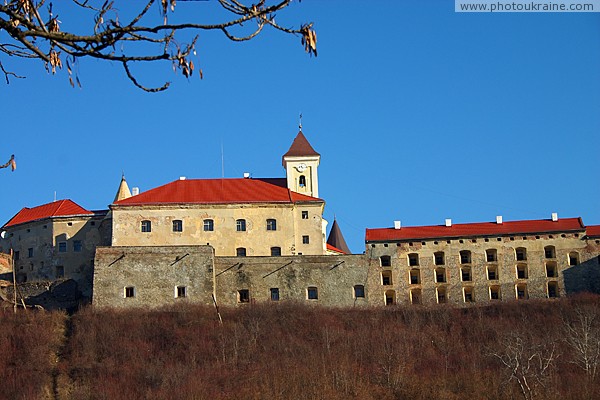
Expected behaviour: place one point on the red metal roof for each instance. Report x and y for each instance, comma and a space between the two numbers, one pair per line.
59, 208
593, 230
218, 191
475, 229
333, 248
301, 147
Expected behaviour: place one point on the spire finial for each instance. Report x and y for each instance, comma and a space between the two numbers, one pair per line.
300, 123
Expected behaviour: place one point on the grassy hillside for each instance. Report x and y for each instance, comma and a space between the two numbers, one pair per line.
545, 350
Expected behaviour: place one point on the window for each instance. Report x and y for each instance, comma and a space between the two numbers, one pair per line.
60, 271
302, 181
177, 225
305, 239
209, 225
274, 294
468, 294
62, 247
77, 246
240, 225
440, 275
551, 270
271, 224
386, 278
491, 255
465, 274
146, 226
129, 291
552, 290
312, 293
243, 296
180, 291
522, 291
30, 252
415, 296
550, 252
439, 258
413, 259
573, 258
442, 297
390, 297
386, 261
359, 291
415, 276
492, 272
465, 257
495, 293
276, 251
521, 254
17, 255
304, 214
521, 271
240, 252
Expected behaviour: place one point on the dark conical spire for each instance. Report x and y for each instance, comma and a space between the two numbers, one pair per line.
336, 239
300, 147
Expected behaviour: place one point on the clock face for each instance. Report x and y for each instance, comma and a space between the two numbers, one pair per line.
301, 167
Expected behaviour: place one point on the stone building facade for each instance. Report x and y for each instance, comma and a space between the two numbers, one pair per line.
481, 262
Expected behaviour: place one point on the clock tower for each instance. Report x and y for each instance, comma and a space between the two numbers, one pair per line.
301, 162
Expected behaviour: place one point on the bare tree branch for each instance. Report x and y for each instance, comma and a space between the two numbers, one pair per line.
30, 37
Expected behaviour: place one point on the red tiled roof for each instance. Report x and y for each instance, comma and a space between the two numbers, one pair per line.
593, 230
475, 229
217, 191
301, 147
60, 208
332, 248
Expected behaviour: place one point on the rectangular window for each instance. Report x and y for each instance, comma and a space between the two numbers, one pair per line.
439, 258
77, 246
305, 239
413, 260
30, 252
60, 271
275, 251
180, 291
304, 214
243, 296
386, 278
62, 247
274, 294
240, 252
359, 291
240, 225
177, 225
312, 293
491, 255
271, 225
146, 226
386, 261
129, 291
17, 255
209, 225
465, 257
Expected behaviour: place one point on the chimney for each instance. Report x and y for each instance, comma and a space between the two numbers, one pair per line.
397, 224
499, 219
246, 175
554, 217
135, 191
448, 222
182, 178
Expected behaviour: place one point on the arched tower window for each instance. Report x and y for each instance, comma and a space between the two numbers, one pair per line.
302, 181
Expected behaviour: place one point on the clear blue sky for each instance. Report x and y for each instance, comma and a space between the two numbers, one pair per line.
419, 113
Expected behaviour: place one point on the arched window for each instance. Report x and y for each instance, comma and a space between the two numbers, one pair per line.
240, 252
302, 181
146, 226
550, 252
240, 225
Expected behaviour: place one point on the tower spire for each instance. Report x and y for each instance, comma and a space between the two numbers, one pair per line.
123, 192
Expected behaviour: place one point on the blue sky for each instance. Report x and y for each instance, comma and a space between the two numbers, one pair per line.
419, 113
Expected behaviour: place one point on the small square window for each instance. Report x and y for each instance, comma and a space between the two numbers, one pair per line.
62, 247
305, 239
240, 225
359, 291
240, 252
275, 251
146, 226
209, 225
271, 224
77, 246
304, 214
274, 294
312, 293
129, 291
177, 225
243, 296
180, 291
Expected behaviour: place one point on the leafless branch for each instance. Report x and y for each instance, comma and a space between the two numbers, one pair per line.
35, 32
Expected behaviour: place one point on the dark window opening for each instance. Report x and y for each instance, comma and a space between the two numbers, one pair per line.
243, 296
146, 226
271, 224
359, 291
177, 225
275, 251
274, 294
312, 293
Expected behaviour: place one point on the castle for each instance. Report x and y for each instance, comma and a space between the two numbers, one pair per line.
237, 241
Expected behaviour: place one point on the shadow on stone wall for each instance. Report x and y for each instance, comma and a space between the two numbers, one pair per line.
584, 277
58, 295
